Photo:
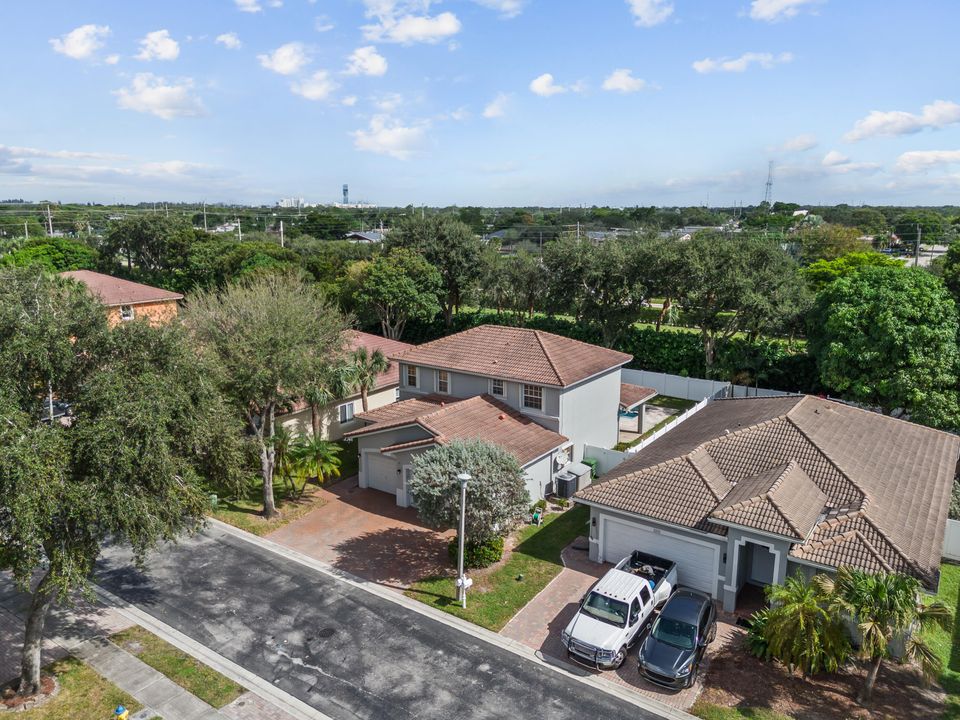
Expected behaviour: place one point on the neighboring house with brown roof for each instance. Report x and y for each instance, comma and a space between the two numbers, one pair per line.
396, 433
748, 490
565, 393
126, 300
343, 415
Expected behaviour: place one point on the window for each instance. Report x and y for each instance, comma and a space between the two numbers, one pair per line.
644, 594
533, 397
126, 312
443, 381
496, 387
345, 412
411, 376
634, 611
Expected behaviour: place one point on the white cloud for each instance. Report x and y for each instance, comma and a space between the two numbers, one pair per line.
111, 59
799, 143
15, 151
322, 23
148, 93
496, 107
366, 61
249, 6
386, 136
286, 60
410, 29
506, 8
318, 86
834, 158
742, 63
158, 45
389, 102
229, 40
349, 101
82, 42
622, 80
775, 10
648, 13
920, 160
937, 114
544, 86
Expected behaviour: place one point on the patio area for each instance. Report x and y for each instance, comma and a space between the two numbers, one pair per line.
363, 532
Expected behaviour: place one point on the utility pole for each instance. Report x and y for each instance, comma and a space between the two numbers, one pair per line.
26, 230
166, 211
204, 215
49, 221
768, 193
240, 229
281, 233
916, 250
578, 229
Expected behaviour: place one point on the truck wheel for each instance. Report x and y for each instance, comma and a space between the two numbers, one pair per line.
620, 658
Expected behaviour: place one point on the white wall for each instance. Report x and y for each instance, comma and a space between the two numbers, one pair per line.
675, 385
606, 459
951, 540
589, 413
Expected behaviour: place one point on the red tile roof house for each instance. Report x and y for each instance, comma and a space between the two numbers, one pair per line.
341, 416
541, 396
749, 490
126, 300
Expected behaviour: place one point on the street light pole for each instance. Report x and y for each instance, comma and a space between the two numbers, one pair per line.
464, 478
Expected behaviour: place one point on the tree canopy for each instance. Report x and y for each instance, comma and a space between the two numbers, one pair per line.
887, 336
53, 254
823, 272
394, 288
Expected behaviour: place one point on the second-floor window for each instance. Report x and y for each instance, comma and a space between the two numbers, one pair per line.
443, 381
411, 376
533, 397
496, 387
345, 412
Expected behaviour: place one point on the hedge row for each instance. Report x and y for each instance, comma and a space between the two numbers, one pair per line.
765, 363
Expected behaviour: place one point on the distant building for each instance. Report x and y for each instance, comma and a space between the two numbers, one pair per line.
291, 202
225, 228
800, 213
355, 206
126, 300
368, 236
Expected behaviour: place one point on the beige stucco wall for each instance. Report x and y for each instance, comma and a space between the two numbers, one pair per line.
331, 429
157, 313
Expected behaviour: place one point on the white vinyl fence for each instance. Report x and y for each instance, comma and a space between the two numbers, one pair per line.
606, 459
690, 388
951, 540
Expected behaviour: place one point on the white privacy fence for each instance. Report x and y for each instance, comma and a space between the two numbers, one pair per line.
951, 541
690, 388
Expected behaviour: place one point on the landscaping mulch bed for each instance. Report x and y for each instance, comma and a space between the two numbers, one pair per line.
9, 700
737, 679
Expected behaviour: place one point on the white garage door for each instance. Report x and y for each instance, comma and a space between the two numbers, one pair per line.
382, 473
696, 563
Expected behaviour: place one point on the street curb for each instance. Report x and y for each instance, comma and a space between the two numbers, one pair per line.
568, 670
240, 675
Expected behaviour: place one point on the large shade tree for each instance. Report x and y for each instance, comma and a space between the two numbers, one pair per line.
395, 288
272, 336
887, 336
147, 424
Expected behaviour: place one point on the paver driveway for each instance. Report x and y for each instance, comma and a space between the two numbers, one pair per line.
347, 652
363, 532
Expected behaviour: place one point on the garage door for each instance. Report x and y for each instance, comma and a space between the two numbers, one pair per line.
381, 473
696, 563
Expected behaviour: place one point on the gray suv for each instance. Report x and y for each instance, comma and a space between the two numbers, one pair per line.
672, 651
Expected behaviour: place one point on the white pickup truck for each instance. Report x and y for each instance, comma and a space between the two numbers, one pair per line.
616, 608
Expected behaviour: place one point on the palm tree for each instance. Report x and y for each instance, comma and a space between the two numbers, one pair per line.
800, 629
886, 606
316, 457
366, 367
334, 383
282, 443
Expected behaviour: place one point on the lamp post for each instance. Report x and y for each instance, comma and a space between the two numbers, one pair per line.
464, 478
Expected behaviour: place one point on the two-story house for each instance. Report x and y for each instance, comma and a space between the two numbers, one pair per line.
541, 396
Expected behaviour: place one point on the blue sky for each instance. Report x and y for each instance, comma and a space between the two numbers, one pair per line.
491, 102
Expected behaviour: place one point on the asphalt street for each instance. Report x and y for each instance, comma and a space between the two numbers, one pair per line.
344, 651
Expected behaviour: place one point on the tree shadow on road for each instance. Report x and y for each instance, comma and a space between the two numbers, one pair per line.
395, 557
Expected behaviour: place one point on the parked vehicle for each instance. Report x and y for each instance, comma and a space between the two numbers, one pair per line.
672, 651
614, 611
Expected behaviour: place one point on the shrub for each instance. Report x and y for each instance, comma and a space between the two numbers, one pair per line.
561, 502
540, 505
756, 638
476, 554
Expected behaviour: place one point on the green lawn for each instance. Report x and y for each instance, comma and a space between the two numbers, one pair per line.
674, 403
709, 711
187, 672
83, 694
946, 643
245, 512
497, 596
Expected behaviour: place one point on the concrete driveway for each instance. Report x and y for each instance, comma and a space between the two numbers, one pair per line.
347, 652
363, 532
539, 624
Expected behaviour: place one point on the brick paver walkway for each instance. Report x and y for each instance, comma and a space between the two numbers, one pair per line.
363, 532
539, 624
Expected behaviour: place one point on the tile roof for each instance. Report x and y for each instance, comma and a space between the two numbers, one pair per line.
112, 291
482, 417
858, 488
388, 347
782, 500
512, 353
633, 395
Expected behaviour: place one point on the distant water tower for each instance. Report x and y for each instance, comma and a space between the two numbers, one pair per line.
346, 194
